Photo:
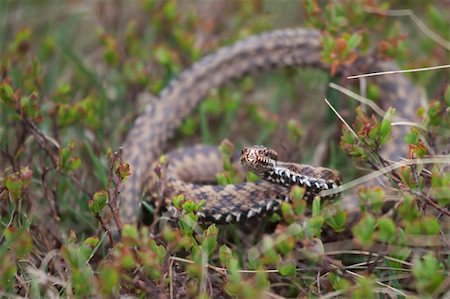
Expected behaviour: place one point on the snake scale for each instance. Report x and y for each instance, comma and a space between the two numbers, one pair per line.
148, 137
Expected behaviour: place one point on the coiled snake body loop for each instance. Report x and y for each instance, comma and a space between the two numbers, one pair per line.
147, 139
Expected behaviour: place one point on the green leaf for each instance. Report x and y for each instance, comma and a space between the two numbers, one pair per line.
316, 206
287, 212
337, 222
313, 249
8, 273
63, 89
338, 282
269, 254
261, 280
447, 95
189, 206
73, 164
298, 203
251, 177
441, 187
254, 258
364, 289
178, 200
437, 18
209, 244
287, 269
386, 229
65, 155
364, 230
314, 225
285, 245
412, 137
189, 126
408, 209
69, 163
162, 55
91, 242
20, 241
428, 273
127, 260
354, 40
371, 198
130, 232
160, 251
187, 223
433, 112
296, 230
431, 225
211, 105
225, 255
170, 10
297, 193
6, 93
14, 184
123, 171
82, 281
168, 234
233, 268
386, 126
109, 281
98, 202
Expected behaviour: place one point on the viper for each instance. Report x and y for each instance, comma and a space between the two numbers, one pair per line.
149, 135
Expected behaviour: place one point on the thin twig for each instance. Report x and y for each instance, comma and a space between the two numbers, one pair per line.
113, 192
171, 278
80, 186
43, 141
49, 193
105, 228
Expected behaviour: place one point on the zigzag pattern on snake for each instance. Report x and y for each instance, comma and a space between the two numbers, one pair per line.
148, 137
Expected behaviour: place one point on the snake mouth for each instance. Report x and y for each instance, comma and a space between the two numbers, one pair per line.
258, 159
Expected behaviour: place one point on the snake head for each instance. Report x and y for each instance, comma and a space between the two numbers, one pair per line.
258, 159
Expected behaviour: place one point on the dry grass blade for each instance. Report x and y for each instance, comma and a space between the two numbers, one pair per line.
219, 269
392, 291
44, 278
368, 253
272, 295
409, 13
439, 159
342, 119
332, 294
359, 98
398, 120
437, 67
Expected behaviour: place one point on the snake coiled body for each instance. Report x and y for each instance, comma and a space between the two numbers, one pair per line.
148, 137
